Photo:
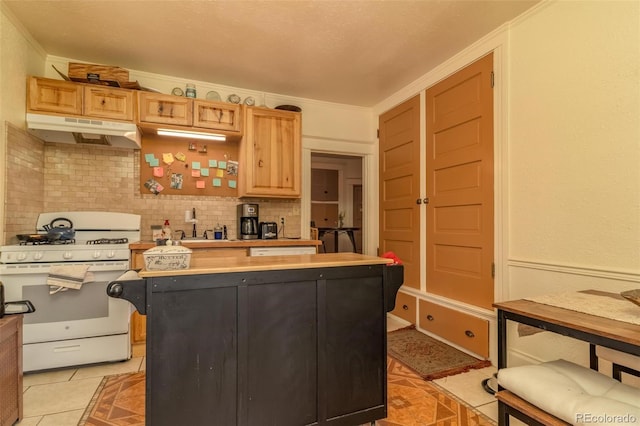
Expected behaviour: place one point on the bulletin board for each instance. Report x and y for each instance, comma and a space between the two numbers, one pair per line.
178, 166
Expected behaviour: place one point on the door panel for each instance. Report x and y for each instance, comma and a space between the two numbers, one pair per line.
459, 120
400, 187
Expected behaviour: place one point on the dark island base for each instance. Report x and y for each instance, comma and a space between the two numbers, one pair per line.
284, 347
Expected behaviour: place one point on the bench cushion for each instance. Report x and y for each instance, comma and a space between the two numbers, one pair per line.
573, 393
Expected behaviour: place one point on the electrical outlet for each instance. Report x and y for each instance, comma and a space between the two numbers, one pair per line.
282, 221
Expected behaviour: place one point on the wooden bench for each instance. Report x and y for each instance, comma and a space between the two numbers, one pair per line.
558, 392
510, 404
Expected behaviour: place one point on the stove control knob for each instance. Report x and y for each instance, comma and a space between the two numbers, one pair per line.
38, 255
111, 254
22, 256
67, 255
96, 254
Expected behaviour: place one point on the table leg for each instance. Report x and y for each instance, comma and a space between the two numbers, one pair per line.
502, 339
336, 234
353, 240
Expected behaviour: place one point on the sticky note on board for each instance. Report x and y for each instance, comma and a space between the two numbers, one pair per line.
149, 157
213, 163
180, 156
195, 173
220, 173
222, 164
217, 182
204, 172
195, 165
167, 158
232, 184
199, 184
158, 171
154, 162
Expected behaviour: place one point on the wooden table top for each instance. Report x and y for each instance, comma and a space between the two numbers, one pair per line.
605, 327
218, 265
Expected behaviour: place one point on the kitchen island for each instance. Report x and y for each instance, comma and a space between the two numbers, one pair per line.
283, 340
204, 249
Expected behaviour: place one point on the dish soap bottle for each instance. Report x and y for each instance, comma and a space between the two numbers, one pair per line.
166, 230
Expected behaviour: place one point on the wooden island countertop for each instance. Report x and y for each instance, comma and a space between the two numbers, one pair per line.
269, 263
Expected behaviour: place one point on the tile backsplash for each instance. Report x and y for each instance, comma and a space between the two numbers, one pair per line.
64, 177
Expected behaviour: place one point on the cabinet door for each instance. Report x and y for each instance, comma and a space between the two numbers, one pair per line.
217, 115
282, 354
399, 171
193, 352
164, 109
324, 215
11, 369
50, 95
324, 185
111, 103
355, 345
271, 154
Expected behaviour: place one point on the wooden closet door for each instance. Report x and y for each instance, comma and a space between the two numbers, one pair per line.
459, 127
400, 187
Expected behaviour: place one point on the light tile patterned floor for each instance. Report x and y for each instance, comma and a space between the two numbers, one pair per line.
59, 398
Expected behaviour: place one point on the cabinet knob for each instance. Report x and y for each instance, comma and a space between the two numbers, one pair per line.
469, 333
405, 307
418, 201
260, 163
430, 317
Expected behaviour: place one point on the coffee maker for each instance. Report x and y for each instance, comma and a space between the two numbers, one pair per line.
247, 221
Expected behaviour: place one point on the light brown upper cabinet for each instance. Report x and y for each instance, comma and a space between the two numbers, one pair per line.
57, 96
270, 154
217, 115
79, 99
164, 109
108, 102
195, 114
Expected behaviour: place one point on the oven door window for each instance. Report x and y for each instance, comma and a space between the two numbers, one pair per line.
71, 314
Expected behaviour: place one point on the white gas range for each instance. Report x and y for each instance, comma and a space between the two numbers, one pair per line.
76, 326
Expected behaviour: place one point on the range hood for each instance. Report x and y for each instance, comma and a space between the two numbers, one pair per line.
84, 130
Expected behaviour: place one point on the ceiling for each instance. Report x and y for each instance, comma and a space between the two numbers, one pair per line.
352, 52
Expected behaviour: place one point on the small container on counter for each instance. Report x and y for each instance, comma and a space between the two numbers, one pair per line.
217, 232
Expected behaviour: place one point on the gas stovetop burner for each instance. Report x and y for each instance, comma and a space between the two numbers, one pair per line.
109, 241
45, 242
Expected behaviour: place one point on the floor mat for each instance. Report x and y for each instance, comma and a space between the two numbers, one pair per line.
430, 358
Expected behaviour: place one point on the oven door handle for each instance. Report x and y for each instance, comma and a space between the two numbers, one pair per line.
133, 291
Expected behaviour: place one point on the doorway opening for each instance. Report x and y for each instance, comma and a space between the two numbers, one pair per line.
337, 207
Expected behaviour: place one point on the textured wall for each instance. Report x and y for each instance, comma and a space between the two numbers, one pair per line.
574, 139
24, 182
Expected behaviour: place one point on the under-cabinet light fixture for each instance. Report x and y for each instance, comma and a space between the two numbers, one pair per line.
192, 135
